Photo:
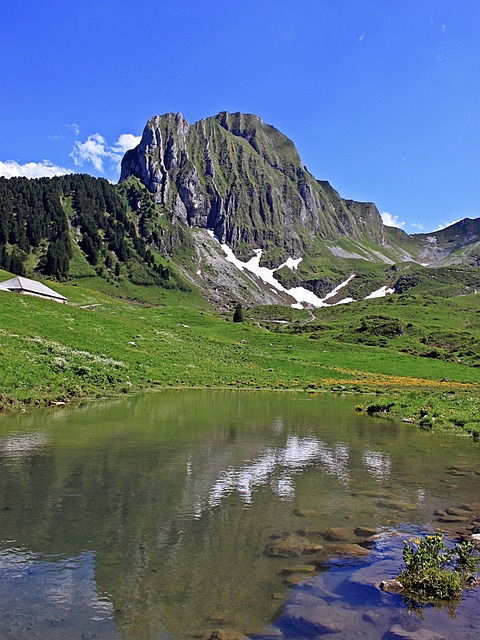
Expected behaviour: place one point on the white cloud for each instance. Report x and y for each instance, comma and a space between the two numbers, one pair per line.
390, 220
362, 37
126, 142
44, 169
417, 226
96, 150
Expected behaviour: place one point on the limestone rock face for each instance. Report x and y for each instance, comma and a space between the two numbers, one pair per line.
244, 179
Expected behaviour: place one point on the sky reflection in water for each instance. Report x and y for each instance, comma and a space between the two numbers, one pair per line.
149, 517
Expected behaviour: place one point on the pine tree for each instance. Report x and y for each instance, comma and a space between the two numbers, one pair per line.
238, 313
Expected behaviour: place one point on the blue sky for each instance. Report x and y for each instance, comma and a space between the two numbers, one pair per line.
381, 97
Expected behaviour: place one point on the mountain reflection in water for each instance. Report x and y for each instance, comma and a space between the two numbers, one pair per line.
151, 517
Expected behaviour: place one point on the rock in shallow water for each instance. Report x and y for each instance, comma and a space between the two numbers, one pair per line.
347, 550
339, 534
399, 633
365, 532
321, 618
391, 586
299, 568
291, 546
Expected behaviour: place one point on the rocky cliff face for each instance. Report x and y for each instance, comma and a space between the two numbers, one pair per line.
244, 179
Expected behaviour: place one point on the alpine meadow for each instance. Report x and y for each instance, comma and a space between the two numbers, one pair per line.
220, 221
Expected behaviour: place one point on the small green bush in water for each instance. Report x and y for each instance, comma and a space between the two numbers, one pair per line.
435, 573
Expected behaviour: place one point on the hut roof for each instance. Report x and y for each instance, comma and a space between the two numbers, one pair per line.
25, 285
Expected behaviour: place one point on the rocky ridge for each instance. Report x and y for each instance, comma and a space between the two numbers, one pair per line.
244, 179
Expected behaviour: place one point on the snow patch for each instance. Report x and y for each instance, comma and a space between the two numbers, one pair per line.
300, 294
380, 293
338, 287
291, 263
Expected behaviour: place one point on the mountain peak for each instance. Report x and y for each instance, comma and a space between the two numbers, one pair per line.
243, 178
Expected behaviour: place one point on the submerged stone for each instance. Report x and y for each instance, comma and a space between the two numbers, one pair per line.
321, 618
365, 532
295, 579
347, 550
470, 507
399, 633
299, 568
364, 582
458, 511
452, 519
292, 545
339, 534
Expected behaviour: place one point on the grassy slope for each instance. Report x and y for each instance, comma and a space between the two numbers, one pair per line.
99, 344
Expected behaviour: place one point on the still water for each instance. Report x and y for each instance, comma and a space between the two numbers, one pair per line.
180, 513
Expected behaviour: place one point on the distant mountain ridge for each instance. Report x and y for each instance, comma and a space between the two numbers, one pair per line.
208, 206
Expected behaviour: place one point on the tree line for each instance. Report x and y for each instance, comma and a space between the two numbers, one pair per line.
44, 216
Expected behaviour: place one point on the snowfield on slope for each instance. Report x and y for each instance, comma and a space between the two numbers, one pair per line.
303, 296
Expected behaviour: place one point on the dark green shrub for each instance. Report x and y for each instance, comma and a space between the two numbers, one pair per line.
380, 326
435, 573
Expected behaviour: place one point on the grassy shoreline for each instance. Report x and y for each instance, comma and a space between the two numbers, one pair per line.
421, 409
99, 346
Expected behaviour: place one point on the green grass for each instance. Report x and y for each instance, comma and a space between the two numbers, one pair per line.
433, 328
100, 344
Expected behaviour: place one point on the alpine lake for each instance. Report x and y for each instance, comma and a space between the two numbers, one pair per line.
209, 514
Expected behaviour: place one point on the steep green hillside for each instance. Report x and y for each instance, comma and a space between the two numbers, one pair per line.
77, 226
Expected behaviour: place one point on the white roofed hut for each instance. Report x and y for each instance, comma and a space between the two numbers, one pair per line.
31, 288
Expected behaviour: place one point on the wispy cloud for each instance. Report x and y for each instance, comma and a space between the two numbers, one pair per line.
94, 150
390, 220
362, 37
420, 227
73, 127
441, 26
44, 169
104, 157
